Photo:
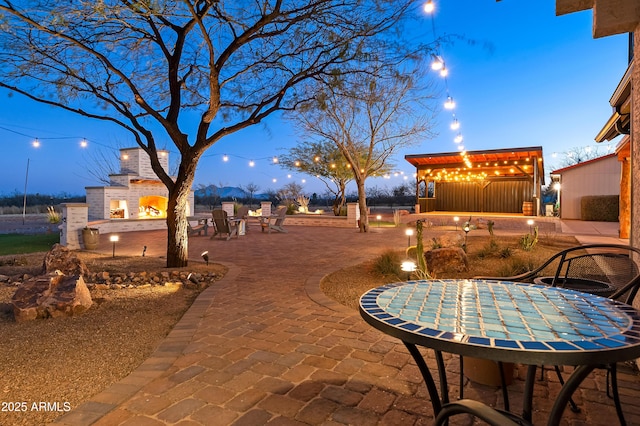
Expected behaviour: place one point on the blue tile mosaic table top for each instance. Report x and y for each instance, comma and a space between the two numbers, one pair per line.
502, 314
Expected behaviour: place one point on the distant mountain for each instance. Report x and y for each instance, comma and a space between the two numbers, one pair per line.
227, 192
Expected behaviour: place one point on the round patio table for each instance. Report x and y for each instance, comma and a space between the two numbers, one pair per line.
505, 322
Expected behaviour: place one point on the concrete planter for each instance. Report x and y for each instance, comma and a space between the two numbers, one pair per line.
486, 372
90, 237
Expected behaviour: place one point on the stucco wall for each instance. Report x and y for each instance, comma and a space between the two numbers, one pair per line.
601, 177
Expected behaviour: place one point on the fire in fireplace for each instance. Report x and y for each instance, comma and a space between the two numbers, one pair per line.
152, 207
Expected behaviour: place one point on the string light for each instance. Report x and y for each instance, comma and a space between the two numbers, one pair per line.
438, 64
83, 142
449, 103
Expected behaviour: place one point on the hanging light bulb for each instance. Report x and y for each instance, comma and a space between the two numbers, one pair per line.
36, 143
455, 124
225, 158
251, 163
444, 71
429, 7
275, 160
461, 148
449, 103
458, 138
437, 63
83, 143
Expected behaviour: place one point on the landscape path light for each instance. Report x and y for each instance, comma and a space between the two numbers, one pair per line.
114, 239
557, 187
378, 217
455, 220
466, 228
205, 257
409, 233
408, 266
530, 223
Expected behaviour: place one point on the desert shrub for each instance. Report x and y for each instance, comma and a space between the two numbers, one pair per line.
604, 208
435, 244
388, 263
52, 215
529, 241
396, 217
505, 252
489, 249
515, 266
292, 208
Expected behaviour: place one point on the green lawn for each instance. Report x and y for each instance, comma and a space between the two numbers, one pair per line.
20, 244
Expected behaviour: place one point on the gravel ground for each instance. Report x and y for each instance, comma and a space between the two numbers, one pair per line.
50, 366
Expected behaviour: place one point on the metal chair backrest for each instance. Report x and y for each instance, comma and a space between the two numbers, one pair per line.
615, 264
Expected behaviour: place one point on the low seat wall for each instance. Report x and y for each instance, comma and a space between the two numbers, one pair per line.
317, 220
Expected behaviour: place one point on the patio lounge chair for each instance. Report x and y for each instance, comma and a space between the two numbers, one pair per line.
275, 222
241, 219
223, 225
607, 270
197, 229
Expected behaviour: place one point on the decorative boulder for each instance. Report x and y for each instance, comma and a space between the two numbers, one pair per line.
450, 239
59, 258
446, 259
54, 296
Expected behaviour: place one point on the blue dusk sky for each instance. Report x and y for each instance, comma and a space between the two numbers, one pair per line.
520, 77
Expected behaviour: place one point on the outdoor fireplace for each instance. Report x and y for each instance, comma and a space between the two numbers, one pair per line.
134, 193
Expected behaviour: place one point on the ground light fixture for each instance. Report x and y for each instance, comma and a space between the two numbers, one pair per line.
378, 217
114, 239
466, 228
205, 257
409, 233
530, 223
408, 266
455, 220
557, 187
144, 250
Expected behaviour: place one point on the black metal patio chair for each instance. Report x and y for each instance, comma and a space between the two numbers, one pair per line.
608, 270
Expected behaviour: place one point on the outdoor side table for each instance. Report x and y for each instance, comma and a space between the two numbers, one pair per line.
505, 322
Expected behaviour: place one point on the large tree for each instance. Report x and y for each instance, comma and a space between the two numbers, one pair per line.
369, 118
323, 160
192, 71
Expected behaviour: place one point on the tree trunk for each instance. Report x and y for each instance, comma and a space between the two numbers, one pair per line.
177, 212
177, 235
362, 205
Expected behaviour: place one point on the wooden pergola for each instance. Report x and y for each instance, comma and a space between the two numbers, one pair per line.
496, 181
